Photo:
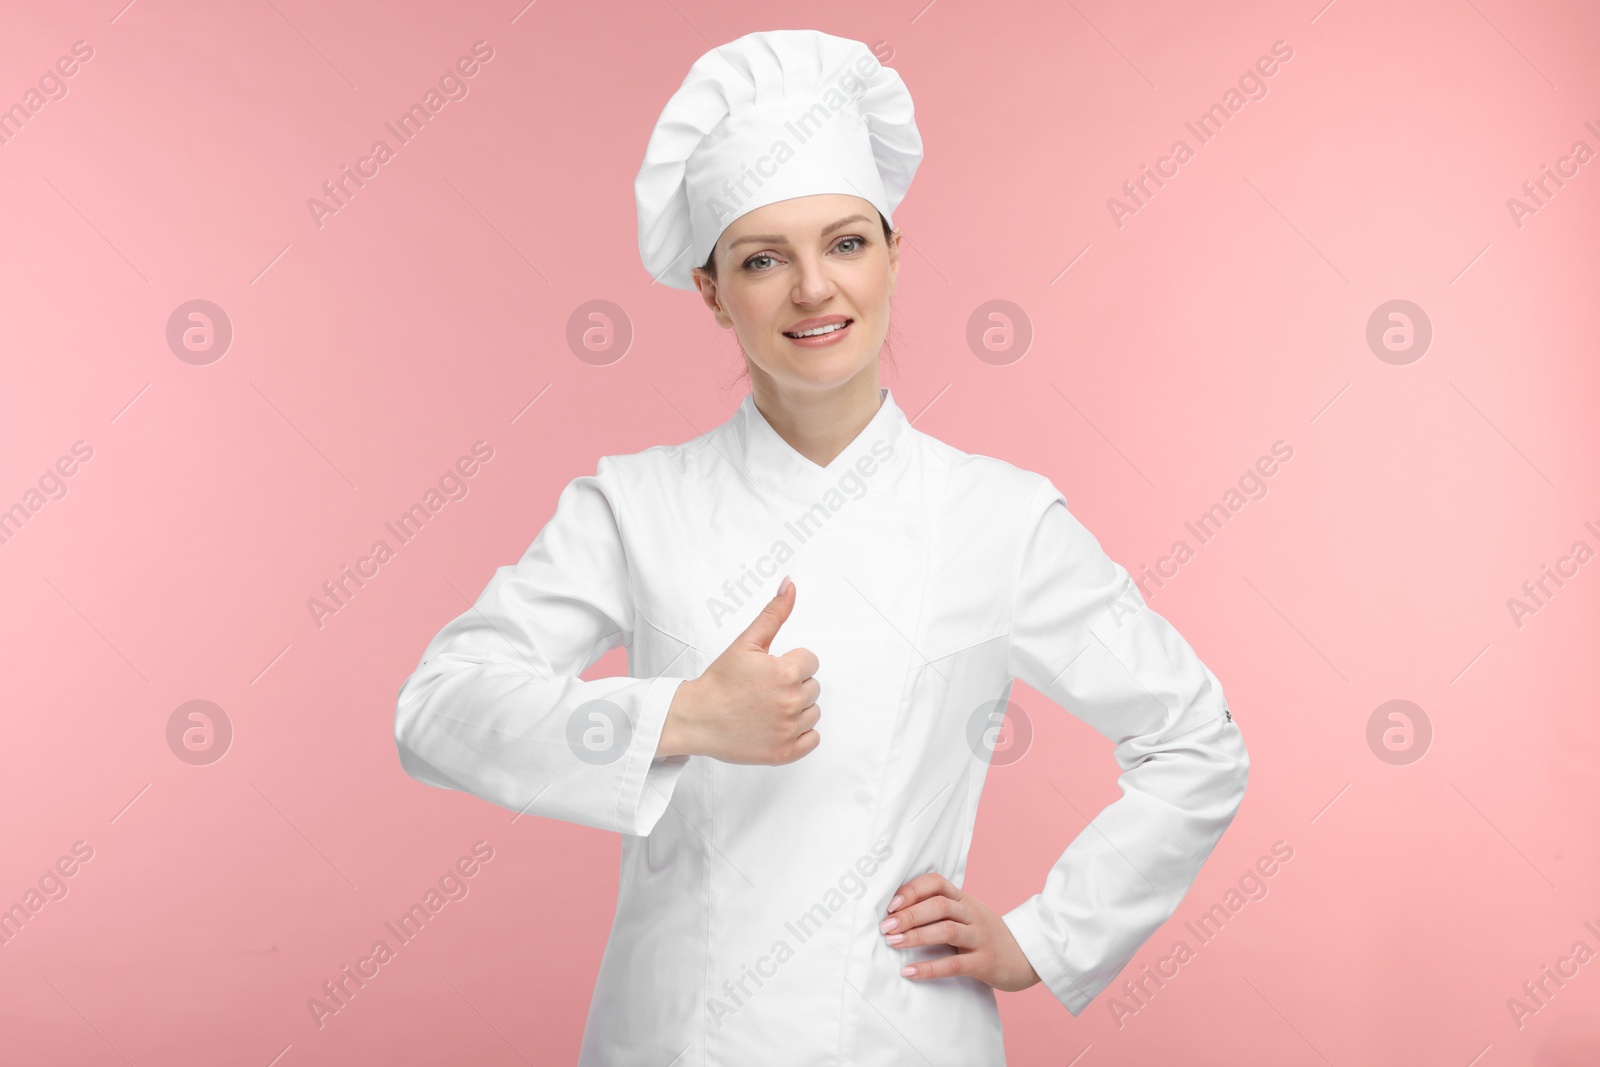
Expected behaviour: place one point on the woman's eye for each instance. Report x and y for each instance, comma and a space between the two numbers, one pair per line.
855, 245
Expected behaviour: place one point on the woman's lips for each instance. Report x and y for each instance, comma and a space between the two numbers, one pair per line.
824, 339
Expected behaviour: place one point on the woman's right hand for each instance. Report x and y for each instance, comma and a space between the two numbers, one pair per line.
749, 706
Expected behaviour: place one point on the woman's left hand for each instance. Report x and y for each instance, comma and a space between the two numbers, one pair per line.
932, 911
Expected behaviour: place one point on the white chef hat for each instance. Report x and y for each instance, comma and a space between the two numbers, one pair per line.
768, 117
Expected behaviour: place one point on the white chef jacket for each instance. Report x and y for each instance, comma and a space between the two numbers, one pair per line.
746, 929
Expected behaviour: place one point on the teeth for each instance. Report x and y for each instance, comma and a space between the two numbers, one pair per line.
820, 330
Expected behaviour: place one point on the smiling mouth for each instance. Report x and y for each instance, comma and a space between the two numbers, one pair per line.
821, 331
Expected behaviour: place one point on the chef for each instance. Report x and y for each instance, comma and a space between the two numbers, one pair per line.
824, 611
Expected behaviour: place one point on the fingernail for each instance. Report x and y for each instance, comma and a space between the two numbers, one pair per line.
784, 585
895, 939
896, 902
908, 971
888, 924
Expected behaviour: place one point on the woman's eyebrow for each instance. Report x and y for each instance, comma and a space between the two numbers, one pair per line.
780, 239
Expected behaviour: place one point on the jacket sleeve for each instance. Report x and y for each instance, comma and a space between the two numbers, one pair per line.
1082, 635
496, 707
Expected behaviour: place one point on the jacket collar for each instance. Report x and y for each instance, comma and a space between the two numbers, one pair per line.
772, 461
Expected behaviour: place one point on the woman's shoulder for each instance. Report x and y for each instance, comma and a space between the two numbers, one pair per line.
656, 464
975, 474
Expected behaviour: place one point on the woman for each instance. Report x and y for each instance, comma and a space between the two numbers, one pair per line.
790, 770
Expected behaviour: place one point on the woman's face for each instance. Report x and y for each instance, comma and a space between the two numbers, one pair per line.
812, 257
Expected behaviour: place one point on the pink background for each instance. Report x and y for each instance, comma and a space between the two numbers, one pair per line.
1228, 313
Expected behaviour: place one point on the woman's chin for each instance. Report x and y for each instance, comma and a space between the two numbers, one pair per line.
816, 370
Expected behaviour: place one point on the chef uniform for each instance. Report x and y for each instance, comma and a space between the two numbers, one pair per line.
928, 579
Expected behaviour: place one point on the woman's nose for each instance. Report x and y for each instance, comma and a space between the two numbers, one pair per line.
812, 283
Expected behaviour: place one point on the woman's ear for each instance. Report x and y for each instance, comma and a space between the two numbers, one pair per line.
894, 262
708, 293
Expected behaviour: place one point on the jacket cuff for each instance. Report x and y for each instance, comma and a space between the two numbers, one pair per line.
1047, 958
648, 782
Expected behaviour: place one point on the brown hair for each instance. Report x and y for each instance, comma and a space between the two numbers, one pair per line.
711, 269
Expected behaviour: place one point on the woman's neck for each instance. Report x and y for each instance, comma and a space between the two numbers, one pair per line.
819, 424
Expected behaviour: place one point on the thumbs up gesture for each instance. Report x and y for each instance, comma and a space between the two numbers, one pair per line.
749, 706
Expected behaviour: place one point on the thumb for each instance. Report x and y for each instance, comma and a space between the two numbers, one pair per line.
764, 627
